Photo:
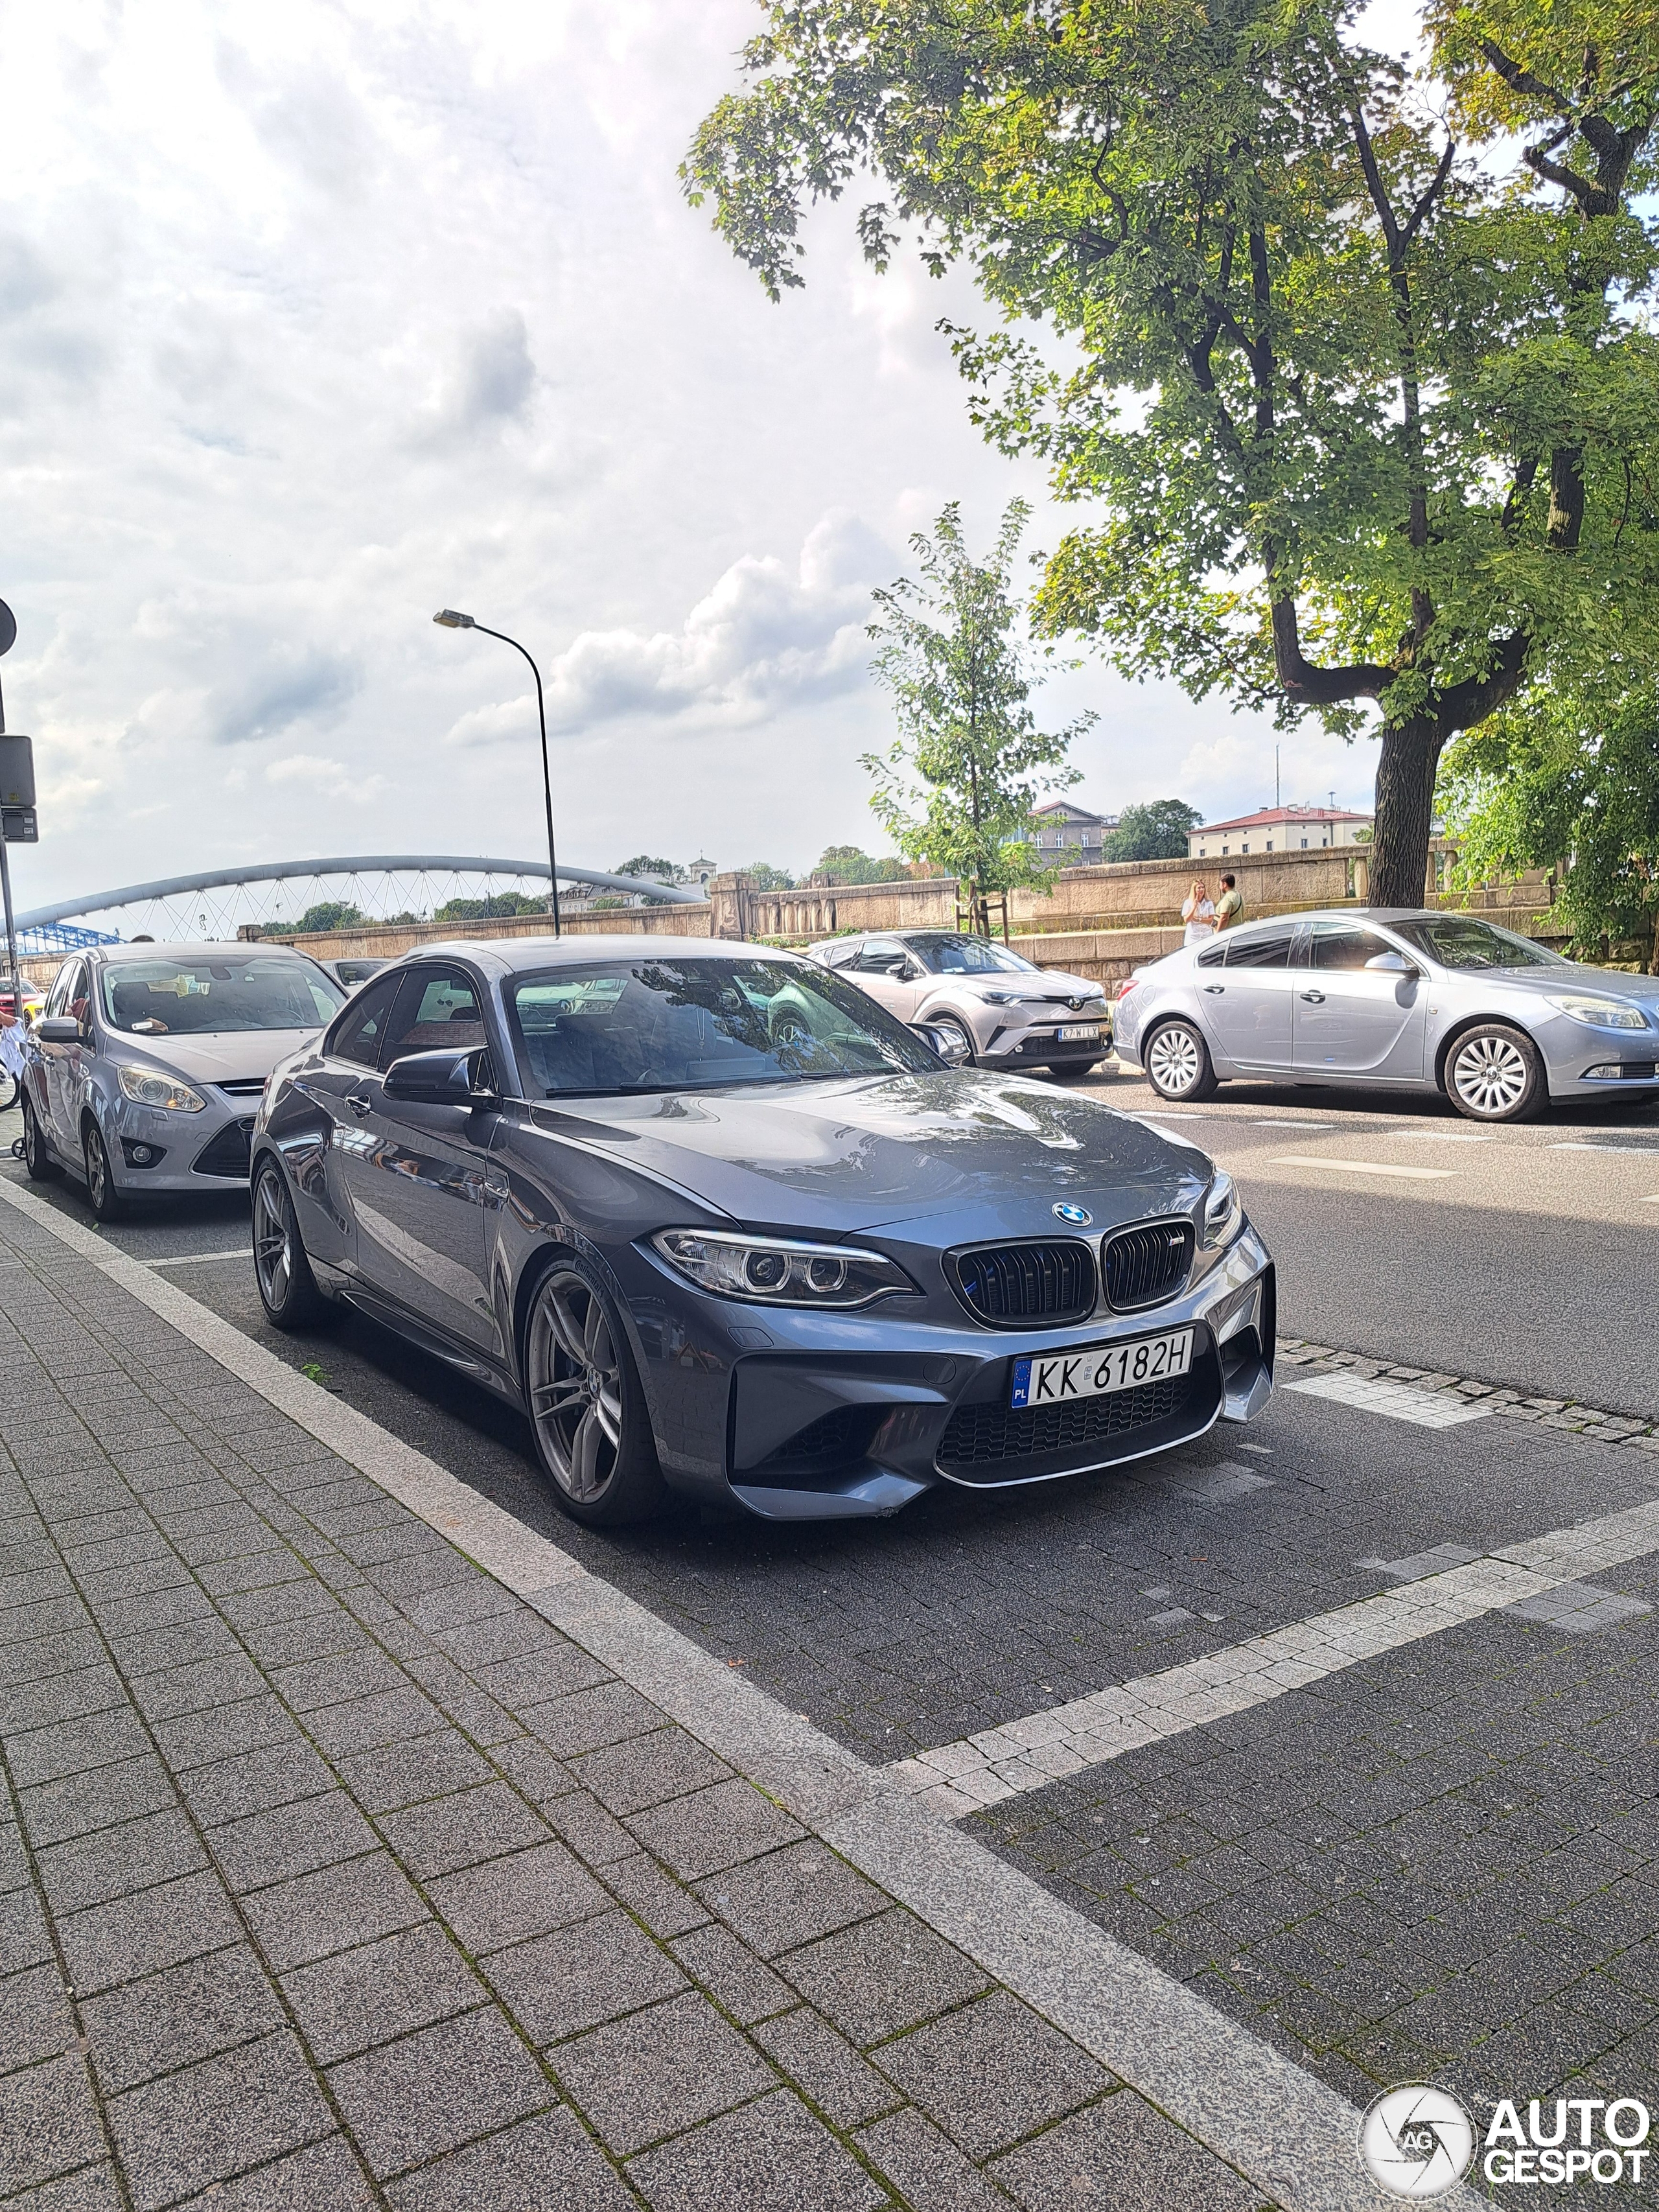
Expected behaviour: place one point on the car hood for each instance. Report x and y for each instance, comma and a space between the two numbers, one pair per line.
1049, 984
1553, 982
213, 1055
996, 1151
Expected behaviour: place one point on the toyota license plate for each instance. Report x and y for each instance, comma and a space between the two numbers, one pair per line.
1058, 1377
1079, 1033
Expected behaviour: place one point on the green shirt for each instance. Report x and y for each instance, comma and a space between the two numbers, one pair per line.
1228, 907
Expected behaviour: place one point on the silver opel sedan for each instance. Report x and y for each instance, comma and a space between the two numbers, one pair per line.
1392, 999
147, 1067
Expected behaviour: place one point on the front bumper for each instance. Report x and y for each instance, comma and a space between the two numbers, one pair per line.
831, 1416
207, 1150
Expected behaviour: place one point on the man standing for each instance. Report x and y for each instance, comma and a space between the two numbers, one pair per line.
1229, 906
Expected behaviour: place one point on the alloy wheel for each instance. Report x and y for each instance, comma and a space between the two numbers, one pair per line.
1173, 1061
273, 1247
575, 1385
1491, 1075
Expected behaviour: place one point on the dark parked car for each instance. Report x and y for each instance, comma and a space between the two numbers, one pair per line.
719, 1223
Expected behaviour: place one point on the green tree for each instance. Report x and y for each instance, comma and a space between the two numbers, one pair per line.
496, 907
1157, 831
330, 913
849, 864
1367, 418
763, 876
1571, 783
664, 872
959, 787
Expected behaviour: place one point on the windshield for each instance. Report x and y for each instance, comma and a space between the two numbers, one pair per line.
1458, 940
668, 1025
966, 955
186, 998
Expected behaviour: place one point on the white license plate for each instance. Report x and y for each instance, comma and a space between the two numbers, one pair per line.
1055, 1377
1079, 1033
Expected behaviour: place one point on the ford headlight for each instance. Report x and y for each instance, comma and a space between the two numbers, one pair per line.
1224, 1216
775, 1271
1601, 1013
146, 1087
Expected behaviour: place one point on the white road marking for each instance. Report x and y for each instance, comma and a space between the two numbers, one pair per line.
1020, 1756
1372, 1394
1261, 1122
1362, 1167
200, 1259
1582, 1144
1290, 2134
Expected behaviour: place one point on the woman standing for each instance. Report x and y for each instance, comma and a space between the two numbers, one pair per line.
1198, 913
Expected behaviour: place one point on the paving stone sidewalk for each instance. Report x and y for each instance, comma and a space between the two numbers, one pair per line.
331, 1875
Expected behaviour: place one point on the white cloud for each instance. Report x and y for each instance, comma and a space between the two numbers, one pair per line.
329, 779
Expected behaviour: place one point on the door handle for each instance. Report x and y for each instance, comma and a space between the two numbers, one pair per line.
1314, 997
1215, 990
358, 1103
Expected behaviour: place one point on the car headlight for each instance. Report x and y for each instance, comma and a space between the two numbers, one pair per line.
1601, 1013
1223, 1214
1002, 998
777, 1272
145, 1087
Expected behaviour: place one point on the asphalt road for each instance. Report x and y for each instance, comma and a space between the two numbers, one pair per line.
1523, 1255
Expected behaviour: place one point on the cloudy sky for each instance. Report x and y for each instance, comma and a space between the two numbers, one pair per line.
315, 319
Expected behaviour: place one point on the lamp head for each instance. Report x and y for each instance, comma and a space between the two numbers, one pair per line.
451, 620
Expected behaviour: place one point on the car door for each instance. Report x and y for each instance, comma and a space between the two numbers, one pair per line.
880, 970
1353, 1020
64, 1063
317, 1149
1245, 984
418, 1176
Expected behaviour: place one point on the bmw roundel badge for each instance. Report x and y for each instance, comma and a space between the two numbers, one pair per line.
1078, 1216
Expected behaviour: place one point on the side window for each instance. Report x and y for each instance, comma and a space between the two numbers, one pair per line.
362, 1031
1266, 948
1344, 945
839, 956
879, 957
1213, 954
75, 1002
59, 994
437, 1010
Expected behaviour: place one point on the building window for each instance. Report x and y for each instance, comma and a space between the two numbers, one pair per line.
1270, 844
1244, 847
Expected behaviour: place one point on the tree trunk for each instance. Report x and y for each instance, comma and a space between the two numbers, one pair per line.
1405, 811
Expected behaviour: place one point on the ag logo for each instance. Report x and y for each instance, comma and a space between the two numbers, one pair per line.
1417, 2141
1078, 1216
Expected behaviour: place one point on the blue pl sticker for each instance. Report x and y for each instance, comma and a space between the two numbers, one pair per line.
1021, 1383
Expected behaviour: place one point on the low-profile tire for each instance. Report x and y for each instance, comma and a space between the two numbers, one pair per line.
1177, 1062
107, 1202
585, 1402
38, 1161
282, 1267
1493, 1073
954, 1028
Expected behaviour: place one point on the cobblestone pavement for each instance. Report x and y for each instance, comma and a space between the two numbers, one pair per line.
332, 1873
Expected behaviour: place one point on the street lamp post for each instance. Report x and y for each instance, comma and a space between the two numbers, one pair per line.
448, 619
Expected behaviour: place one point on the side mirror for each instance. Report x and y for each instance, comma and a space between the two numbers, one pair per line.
445, 1078
949, 1044
1390, 963
58, 1028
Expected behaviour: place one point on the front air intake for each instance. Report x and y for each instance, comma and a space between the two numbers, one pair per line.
1010, 1284
1143, 1266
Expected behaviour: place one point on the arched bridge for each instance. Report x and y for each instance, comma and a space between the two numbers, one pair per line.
399, 876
